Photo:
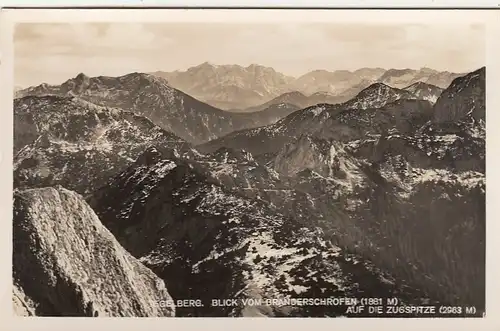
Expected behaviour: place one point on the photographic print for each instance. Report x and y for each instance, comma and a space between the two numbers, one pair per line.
245, 169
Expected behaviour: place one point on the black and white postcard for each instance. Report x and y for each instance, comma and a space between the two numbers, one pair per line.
250, 163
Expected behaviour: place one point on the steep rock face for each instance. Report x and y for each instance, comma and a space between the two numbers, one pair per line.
22, 304
77, 144
415, 205
465, 95
66, 263
193, 232
382, 200
306, 153
432, 190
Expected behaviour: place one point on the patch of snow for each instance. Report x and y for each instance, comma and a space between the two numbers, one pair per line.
317, 110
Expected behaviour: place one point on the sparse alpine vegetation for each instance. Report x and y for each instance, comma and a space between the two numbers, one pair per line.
379, 195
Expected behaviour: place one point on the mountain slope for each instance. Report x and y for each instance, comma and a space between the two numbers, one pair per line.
466, 95
375, 96
66, 263
327, 121
380, 196
413, 203
71, 142
412, 198
442, 79
151, 97
293, 98
408, 107
301, 101
424, 91
185, 226
392, 183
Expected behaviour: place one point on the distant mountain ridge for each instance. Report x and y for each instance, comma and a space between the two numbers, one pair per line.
152, 97
234, 87
373, 109
223, 83
365, 98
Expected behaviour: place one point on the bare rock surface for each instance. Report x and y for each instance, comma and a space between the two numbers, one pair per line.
66, 263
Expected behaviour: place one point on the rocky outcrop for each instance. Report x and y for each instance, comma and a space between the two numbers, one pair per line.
76, 144
66, 263
465, 96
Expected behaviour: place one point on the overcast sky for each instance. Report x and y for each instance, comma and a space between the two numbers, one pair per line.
53, 53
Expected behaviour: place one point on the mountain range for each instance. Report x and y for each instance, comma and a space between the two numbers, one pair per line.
381, 195
238, 88
152, 97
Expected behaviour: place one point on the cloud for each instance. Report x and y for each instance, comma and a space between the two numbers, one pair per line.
54, 52
85, 39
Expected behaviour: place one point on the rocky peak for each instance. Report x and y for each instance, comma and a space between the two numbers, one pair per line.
81, 77
376, 95
76, 85
465, 96
201, 67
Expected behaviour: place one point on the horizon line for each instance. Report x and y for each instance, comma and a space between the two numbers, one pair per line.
244, 67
